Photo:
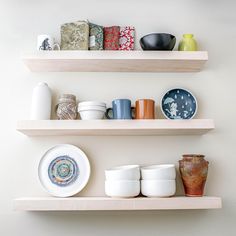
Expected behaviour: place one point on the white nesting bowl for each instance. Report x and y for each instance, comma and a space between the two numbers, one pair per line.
95, 108
158, 188
92, 103
128, 172
91, 114
122, 188
159, 172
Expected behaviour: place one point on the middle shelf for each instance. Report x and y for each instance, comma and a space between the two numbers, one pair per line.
115, 127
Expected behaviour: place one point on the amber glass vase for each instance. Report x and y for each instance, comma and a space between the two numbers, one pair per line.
193, 170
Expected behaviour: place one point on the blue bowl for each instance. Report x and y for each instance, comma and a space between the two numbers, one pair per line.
179, 103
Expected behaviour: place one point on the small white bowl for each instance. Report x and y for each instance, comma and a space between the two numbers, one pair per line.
91, 108
92, 103
158, 188
159, 172
128, 172
122, 188
91, 114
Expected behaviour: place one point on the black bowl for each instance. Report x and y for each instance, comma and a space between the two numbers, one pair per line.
157, 41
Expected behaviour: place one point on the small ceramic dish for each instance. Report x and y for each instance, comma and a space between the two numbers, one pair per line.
64, 170
159, 172
122, 188
158, 188
179, 103
128, 172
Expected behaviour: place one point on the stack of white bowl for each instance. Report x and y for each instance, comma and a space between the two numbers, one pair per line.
158, 180
123, 181
91, 110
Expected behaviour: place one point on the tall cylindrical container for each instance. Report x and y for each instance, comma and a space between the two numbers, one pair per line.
41, 102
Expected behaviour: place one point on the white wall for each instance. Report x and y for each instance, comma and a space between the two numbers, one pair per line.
212, 22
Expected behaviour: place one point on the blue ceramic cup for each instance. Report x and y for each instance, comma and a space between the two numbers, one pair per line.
121, 110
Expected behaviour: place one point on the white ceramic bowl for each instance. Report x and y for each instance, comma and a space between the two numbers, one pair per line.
91, 115
92, 103
122, 188
158, 188
128, 172
91, 108
158, 172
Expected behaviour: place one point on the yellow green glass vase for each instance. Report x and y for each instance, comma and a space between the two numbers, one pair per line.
188, 43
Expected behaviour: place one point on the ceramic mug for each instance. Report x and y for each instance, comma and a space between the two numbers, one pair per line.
145, 109
121, 110
46, 43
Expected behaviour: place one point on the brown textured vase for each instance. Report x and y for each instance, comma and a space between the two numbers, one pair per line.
193, 170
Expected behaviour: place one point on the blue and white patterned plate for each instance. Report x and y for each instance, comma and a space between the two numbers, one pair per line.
179, 104
64, 170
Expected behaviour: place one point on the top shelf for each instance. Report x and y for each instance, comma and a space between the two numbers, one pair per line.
115, 61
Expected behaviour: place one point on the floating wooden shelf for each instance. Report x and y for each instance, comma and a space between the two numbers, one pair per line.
115, 204
115, 61
114, 127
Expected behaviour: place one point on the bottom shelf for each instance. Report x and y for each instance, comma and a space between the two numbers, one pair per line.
115, 204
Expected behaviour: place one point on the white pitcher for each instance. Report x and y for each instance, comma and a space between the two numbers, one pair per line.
41, 102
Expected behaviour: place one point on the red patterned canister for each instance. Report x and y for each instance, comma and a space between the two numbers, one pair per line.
111, 38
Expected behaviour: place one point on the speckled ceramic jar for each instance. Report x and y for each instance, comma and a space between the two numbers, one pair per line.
193, 170
66, 108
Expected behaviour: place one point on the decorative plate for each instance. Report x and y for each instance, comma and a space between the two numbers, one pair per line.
179, 104
64, 170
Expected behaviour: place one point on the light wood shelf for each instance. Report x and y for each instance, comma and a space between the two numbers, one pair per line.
115, 204
115, 61
114, 127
